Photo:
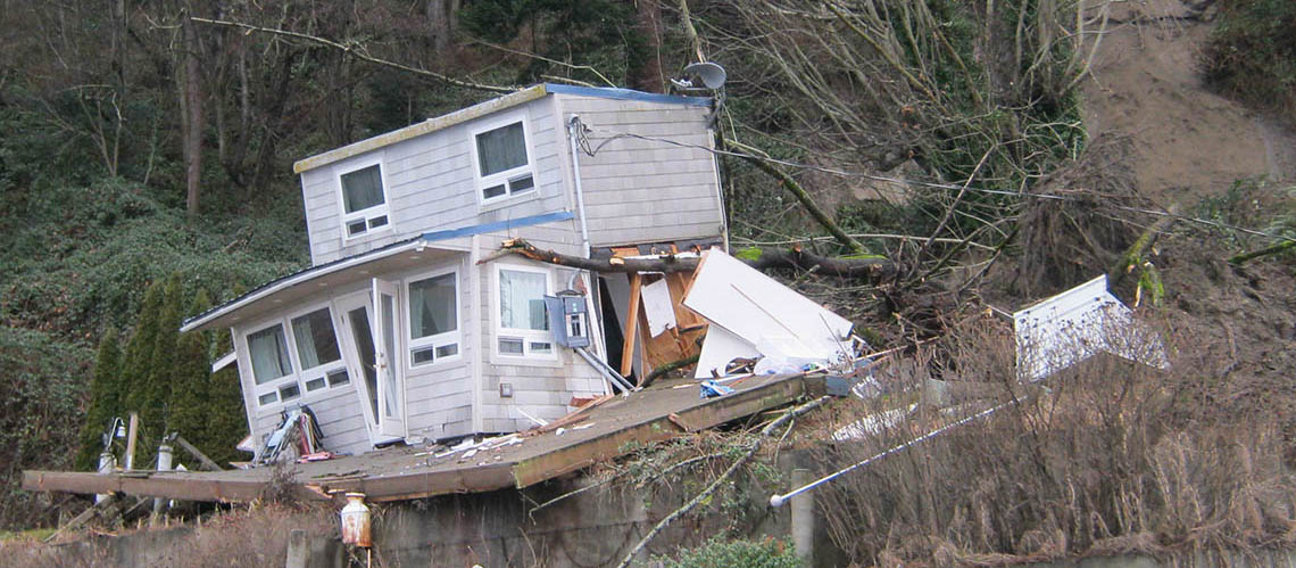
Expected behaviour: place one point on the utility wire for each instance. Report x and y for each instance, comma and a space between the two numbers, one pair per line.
614, 135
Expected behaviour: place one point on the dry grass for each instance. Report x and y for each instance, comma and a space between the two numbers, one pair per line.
244, 537
1109, 457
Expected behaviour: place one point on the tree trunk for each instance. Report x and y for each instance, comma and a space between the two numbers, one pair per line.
645, 65
441, 16
872, 269
191, 107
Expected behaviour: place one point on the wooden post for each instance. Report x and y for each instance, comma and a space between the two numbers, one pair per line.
631, 322
131, 434
204, 461
298, 549
803, 518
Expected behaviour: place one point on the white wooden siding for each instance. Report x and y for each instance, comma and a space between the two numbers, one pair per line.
642, 191
543, 388
431, 184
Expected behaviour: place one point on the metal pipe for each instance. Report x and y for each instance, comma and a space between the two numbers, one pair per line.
606, 371
778, 500
573, 125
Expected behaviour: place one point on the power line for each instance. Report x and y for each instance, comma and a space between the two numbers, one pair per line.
615, 135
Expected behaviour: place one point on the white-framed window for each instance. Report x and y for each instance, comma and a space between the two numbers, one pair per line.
502, 159
362, 192
433, 317
289, 365
318, 351
522, 324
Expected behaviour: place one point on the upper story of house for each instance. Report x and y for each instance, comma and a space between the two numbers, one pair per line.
647, 173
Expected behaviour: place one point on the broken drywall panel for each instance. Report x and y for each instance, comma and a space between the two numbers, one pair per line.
757, 308
718, 349
658, 307
1068, 328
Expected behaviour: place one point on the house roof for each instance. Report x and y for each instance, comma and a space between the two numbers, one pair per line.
409, 253
666, 410
486, 108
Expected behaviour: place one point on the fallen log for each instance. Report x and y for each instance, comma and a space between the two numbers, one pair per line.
873, 269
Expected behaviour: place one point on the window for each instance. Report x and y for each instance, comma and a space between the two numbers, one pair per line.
503, 166
433, 318
312, 349
316, 343
364, 201
269, 352
523, 318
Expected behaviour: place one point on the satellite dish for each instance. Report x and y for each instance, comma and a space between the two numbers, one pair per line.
701, 76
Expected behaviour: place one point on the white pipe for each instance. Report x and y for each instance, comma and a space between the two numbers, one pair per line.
572, 125
778, 500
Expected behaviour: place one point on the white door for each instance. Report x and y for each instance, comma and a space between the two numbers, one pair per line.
391, 383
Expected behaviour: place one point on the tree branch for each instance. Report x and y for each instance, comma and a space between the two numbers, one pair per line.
358, 54
802, 196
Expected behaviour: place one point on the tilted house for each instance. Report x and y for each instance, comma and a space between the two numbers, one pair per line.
408, 324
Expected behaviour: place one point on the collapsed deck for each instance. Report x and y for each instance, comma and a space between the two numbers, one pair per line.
603, 432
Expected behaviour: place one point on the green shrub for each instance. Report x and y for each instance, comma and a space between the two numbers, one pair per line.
1251, 54
720, 553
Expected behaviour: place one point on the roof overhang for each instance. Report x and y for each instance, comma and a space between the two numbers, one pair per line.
479, 110
295, 287
396, 257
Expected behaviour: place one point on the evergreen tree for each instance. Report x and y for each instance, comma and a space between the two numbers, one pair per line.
163, 363
105, 401
189, 408
139, 352
227, 418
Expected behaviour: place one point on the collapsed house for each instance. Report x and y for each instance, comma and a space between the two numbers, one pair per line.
407, 327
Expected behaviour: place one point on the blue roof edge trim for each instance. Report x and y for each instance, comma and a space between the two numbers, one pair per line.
626, 95
499, 226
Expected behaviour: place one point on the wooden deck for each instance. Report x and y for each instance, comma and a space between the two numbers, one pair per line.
607, 431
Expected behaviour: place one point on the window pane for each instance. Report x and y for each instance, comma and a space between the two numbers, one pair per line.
510, 345
424, 355
268, 398
432, 306
289, 392
338, 377
501, 149
316, 342
362, 189
269, 352
522, 300
314, 384
521, 185
447, 350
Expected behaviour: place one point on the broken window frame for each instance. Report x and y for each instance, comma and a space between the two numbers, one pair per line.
528, 337
440, 341
379, 212
504, 178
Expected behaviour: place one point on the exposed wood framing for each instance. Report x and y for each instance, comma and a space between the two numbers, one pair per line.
631, 321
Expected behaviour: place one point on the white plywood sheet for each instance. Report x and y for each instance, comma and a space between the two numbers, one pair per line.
1075, 325
757, 308
658, 307
718, 349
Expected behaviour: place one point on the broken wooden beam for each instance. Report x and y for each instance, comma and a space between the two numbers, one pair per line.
204, 462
